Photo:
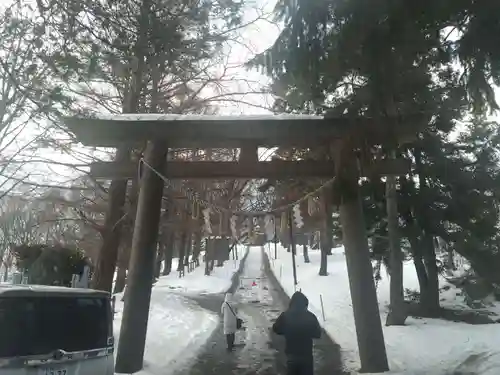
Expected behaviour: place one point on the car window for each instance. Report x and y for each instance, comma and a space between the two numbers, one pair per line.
40, 325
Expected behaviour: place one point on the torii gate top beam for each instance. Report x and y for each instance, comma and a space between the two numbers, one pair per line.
203, 131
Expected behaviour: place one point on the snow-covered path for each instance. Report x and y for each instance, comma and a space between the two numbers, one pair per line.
260, 300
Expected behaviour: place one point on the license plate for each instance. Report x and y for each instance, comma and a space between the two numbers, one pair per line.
53, 371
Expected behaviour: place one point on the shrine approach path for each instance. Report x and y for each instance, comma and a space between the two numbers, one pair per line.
259, 299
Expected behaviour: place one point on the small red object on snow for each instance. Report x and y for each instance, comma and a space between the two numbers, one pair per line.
254, 284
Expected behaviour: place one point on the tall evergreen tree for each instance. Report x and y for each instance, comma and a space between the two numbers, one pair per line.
156, 56
386, 59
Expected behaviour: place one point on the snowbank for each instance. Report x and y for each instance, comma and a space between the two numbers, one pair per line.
175, 328
196, 282
424, 346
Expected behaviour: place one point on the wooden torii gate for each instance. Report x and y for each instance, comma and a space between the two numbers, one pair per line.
344, 135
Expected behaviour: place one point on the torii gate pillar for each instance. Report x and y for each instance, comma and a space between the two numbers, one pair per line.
370, 336
129, 358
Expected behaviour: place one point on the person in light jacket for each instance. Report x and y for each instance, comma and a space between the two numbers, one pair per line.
229, 315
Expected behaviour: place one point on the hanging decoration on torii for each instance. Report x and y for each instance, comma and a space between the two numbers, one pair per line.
249, 219
269, 227
297, 216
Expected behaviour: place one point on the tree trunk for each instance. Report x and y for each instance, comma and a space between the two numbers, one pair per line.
365, 307
306, 254
323, 267
159, 260
5, 274
189, 247
207, 256
196, 248
126, 247
130, 354
397, 312
429, 299
220, 262
430, 295
211, 248
328, 220
123, 261
421, 272
207, 267
126, 241
326, 232
417, 254
182, 251
108, 253
121, 280
168, 253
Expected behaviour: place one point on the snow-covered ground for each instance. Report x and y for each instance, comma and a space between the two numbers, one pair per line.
177, 327
197, 283
423, 346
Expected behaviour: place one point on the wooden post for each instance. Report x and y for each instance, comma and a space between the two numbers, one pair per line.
322, 307
369, 332
129, 358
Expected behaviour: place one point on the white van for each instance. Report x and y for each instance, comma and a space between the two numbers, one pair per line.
47, 330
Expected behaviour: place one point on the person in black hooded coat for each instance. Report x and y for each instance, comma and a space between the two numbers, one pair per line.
299, 326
